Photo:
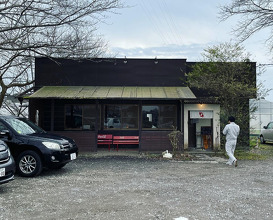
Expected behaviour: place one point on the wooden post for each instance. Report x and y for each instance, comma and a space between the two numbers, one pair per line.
182, 124
97, 124
139, 124
52, 115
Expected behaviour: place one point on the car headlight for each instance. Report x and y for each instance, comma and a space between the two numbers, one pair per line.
52, 145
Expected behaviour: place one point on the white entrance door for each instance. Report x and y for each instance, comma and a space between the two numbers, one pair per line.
203, 128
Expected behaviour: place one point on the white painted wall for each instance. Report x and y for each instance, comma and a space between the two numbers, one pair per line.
203, 122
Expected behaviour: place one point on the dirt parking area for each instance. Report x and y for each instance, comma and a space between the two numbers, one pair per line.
125, 187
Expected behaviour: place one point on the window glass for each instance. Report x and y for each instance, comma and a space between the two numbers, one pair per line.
270, 126
73, 116
121, 117
80, 117
112, 117
129, 116
20, 126
89, 117
159, 117
150, 116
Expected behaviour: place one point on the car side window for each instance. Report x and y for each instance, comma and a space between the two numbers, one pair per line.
270, 126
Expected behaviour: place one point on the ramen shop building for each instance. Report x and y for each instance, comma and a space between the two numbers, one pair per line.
145, 98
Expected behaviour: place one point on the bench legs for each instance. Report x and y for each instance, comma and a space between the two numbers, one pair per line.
109, 147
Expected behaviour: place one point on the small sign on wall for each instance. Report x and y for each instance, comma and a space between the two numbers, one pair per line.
201, 114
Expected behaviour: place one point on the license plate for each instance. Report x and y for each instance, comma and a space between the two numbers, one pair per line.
73, 156
2, 172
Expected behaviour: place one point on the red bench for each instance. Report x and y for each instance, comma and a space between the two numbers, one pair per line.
125, 140
106, 139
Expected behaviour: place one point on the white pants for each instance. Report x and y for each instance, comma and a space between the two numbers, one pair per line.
230, 148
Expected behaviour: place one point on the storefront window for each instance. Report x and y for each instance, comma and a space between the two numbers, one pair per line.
159, 117
80, 117
121, 117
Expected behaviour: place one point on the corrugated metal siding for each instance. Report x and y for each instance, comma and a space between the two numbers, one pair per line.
112, 92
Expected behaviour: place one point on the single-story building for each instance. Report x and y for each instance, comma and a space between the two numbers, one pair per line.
147, 98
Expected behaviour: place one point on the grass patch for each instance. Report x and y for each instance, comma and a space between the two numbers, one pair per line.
253, 141
257, 151
249, 155
152, 155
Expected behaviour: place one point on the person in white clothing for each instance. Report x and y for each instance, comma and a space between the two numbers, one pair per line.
231, 131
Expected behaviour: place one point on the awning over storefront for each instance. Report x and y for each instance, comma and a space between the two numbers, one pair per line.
112, 92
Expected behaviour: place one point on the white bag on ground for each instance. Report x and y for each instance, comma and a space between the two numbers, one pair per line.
166, 154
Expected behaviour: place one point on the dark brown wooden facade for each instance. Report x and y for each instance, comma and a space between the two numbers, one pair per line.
110, 72
52, 117
107, 72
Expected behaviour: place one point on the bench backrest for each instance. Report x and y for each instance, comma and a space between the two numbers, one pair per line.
105, 136
126, 137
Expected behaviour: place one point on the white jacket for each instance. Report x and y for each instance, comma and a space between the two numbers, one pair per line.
231, 131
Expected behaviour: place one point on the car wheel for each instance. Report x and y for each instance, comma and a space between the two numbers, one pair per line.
29, 164
262, 140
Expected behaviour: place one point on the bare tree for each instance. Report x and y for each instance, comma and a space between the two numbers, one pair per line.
255, 15
52, 28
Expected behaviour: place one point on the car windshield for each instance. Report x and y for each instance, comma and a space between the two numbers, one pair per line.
35, 127
21, 127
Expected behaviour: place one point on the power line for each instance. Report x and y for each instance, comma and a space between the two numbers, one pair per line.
153, 22
173, 23
160, 18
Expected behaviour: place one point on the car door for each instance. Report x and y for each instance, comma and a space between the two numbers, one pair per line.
268, 132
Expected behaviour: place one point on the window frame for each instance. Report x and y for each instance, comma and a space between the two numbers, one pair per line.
82, 117
121, 117
159, 105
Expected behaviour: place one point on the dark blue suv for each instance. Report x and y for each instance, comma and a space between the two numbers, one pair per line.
34, 149
7, 164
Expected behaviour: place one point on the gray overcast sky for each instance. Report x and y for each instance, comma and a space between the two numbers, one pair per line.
177, 29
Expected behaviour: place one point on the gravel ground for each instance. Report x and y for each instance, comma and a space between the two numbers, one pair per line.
122, 187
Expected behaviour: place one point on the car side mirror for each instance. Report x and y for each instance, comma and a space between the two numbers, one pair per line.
5, 133
265, 127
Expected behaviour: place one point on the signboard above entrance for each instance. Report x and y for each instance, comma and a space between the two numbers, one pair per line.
201, 114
